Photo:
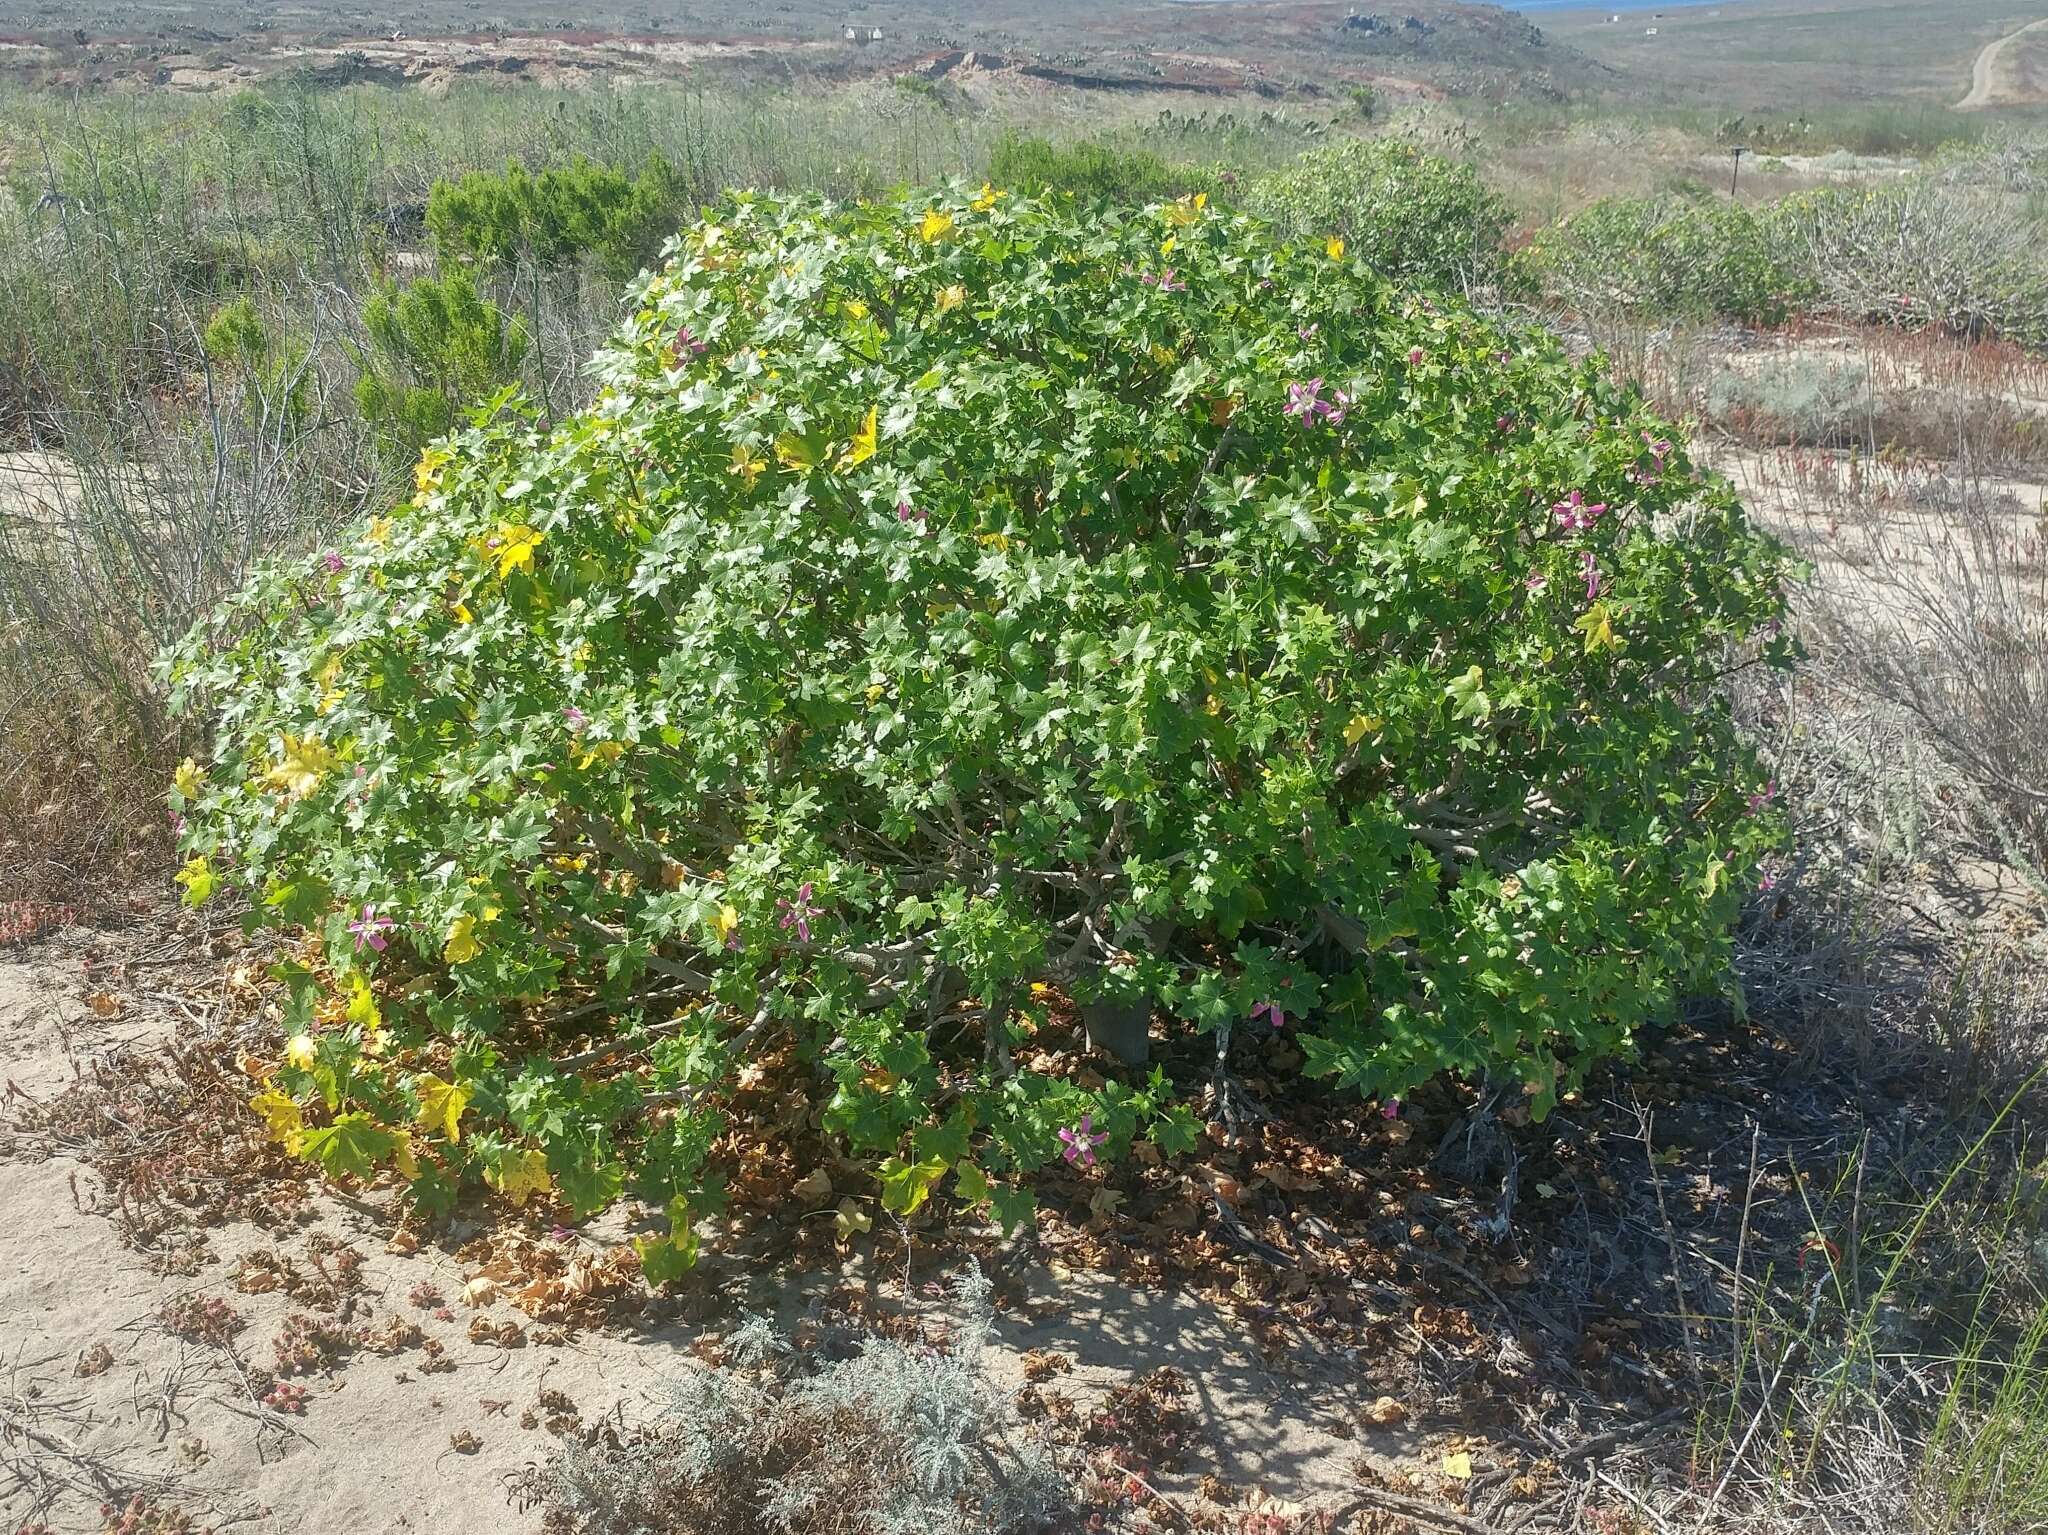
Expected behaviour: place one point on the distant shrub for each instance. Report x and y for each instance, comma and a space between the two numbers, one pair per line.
1816, 400
955, 608
435, 345
890, 1440
1089, 169
1928, 252
1664, 258
1414, 218
560, 215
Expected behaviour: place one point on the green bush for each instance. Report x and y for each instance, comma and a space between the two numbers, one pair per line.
558, 216
1662, 258
1415, 218
434, 344
1090, 170
954, 606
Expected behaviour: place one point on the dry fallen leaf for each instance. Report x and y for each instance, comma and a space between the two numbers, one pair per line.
1385, 1412
479, 1292
814, 1189
104, 1003
1458, 1467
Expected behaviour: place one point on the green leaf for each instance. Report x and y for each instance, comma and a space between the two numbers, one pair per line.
351, 1146
906, 1185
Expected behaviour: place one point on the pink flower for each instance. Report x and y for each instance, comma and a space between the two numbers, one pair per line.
1306, 404
335, 563
1163, 282
1591, 569
798, 913
1761, 800
1573, 512
370, 928
1503, 423
687, 344
1270, 1011
1415, 356
1308, 332
905, 512
1767, 881
1391, 1109
1080, 1142
1535, 581
576, 717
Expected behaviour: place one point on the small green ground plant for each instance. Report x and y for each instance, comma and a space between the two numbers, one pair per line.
957, 605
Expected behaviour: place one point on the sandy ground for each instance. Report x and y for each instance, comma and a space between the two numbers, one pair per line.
117, 1404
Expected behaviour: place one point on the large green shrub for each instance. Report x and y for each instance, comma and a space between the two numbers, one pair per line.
1415, 218
435, 344
558, 216
1662, 257
953, 606
1089, 169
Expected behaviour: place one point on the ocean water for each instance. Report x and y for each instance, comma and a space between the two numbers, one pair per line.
1534, 7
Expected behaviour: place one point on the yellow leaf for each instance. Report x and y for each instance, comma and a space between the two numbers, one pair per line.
746, 464
1187, 210
851, 1218
936, 225
951, 298
329, 678
606, 752
462, 945
1167, 245
854, 309
301, 1051
441, 1105
521, 1175
188, 778
512, 547
795, 452
1334, 247
198, 879
1597, 624
1361, 726
1458, 1467
403, 1159
281, 1116
380, 530
304, 762
462, 613
862, 448
426, 474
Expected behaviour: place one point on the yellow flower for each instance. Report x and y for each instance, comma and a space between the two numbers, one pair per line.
380, 530
606, 752
301, 1051
1000, 542
937, 224
1186, 210
986, 198
462, 613
1361, 726
951, 298
726, 923
305, 761
746, 464
1334, 247
855, 309
188, 778
463, 945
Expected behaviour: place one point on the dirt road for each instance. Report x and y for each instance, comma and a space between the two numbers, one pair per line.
1980, 72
